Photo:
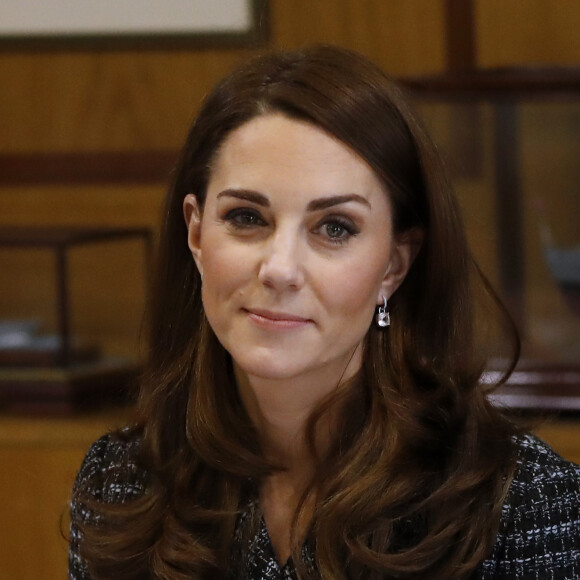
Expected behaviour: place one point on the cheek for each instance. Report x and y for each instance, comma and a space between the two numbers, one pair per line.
356, 293
226, 268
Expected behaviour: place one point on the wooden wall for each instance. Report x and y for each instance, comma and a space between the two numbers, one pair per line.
542, 32
115, 101
104, 101
122, 100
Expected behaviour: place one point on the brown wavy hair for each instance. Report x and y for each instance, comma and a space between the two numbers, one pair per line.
413, 485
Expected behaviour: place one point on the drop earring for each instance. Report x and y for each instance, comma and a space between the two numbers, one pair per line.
383, 318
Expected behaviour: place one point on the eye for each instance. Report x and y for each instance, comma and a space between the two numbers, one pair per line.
338, 230
335, 230
244, 217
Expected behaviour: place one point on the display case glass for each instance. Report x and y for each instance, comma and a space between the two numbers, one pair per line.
511, 139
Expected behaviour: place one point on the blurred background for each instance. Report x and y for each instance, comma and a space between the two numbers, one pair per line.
90, 129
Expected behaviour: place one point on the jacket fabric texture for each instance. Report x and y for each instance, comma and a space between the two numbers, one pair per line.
538, 538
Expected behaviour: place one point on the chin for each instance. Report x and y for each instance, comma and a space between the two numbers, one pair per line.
270, 368
270, 372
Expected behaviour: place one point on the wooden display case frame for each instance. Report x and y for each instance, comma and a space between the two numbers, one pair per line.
537, 385
68, 385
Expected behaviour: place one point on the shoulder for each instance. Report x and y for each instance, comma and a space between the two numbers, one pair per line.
543, 481
540, 526
110, 471
536, 456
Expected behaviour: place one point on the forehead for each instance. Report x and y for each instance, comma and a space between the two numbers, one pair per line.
276, 154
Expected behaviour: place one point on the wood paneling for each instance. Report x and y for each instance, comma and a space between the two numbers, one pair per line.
460, 35
512, 32
39, 459
104, 101
403, 37
563, 436
35, 486
108, 102
86, 168
92, 113
107, 288
120, 100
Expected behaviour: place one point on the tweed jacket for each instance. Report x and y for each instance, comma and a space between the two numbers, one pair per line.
538, 538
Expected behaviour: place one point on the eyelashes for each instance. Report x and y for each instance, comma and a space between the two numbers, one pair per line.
244, 218
333, 229
338, 229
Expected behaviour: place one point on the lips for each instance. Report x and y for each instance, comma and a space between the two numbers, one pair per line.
276, 315
271, 319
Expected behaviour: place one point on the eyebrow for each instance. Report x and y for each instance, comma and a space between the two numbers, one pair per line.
246, 195
314, 205
326, 202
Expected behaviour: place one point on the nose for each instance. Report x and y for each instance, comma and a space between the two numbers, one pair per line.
281, 267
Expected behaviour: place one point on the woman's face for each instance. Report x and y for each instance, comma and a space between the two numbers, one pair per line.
296, 248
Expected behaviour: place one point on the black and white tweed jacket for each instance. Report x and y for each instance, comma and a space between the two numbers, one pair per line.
538, 539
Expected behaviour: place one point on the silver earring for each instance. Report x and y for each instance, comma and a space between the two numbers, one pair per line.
383, 318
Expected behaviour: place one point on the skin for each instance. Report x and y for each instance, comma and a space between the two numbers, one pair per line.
297, 249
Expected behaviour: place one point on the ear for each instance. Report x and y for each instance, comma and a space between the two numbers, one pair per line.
405, 249
192, 216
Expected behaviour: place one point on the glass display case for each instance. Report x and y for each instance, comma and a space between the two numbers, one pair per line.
511, 139
56, 370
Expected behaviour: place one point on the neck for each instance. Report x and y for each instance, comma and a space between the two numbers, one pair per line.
280, 409
280, 415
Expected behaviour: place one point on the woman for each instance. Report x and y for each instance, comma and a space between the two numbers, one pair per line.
313, 405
